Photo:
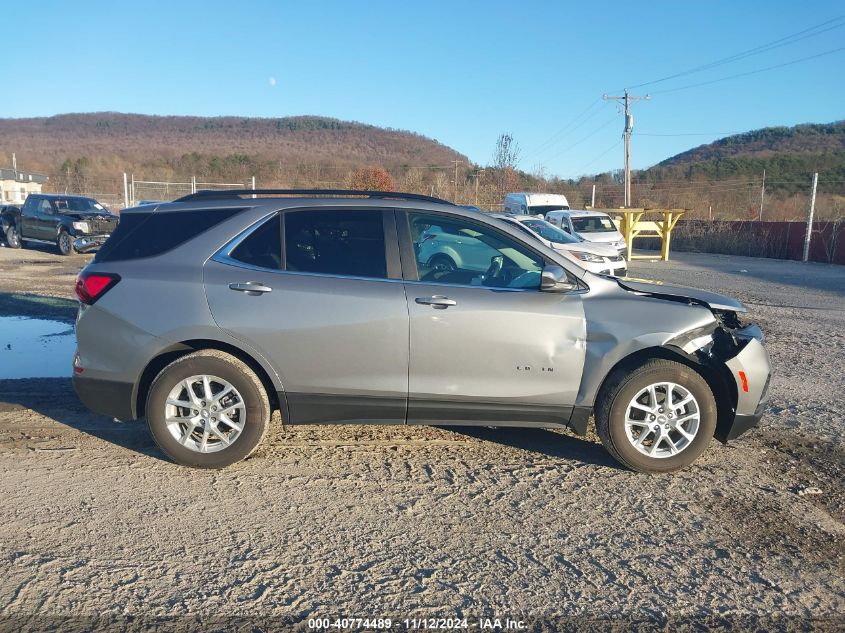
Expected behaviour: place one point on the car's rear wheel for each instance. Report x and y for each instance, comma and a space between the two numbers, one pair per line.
63, 243
208, 410
657, 418
442, 264
13, 238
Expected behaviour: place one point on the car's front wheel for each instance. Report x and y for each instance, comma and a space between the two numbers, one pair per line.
13, 238
208, 410
63, 243
657, 418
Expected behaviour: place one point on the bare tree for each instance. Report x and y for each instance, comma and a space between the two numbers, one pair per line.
506, 153
505, 158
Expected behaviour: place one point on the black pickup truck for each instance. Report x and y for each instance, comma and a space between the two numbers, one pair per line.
72, 223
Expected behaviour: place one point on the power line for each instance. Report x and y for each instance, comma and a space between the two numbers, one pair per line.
590, 135
752, 72
603, 154
691, 133
783, 41
567, 129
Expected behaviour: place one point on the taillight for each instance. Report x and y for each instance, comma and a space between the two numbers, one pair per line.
92, 286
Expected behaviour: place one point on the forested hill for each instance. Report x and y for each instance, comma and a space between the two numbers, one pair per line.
788, 154
110, 141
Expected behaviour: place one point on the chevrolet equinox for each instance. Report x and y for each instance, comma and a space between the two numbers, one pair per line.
206, 314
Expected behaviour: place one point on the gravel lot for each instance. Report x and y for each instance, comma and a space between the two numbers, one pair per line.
422, 522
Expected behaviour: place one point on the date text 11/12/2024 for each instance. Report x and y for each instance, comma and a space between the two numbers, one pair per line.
417, 624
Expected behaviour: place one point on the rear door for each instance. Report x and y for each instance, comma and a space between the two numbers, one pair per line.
319, 293
488, 347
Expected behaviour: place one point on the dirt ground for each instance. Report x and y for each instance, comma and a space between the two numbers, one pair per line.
358, 521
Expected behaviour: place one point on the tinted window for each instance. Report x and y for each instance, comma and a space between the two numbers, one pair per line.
262, 247
148, 234
335, 243
457, 251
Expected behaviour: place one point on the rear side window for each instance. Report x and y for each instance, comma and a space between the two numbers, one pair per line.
262, 247
336, 243
148, 234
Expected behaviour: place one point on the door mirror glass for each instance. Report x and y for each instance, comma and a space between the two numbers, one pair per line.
555, 279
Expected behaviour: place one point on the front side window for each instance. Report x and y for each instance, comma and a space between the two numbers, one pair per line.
263, 247
453, 250
329, 242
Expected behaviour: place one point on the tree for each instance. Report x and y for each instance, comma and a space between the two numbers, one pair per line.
505, 158
372, 179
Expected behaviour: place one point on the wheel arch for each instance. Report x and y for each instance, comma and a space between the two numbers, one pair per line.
183, 348
448, 253
716, 374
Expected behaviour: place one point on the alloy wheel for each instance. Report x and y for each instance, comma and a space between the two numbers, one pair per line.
205, 413
662, 420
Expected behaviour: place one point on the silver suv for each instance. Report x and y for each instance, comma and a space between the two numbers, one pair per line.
206, 314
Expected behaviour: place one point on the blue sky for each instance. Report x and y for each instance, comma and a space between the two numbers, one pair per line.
459, 72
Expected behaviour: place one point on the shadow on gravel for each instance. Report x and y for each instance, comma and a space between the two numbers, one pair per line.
55, 398
542, 441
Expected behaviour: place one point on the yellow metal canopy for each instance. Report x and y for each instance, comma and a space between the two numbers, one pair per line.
658, 223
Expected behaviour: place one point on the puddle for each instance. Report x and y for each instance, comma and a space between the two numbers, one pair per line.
35, 348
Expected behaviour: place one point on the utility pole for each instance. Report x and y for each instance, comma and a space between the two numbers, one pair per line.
626, 99
455, 199
809, 231
762, 196
477, 174
593, 198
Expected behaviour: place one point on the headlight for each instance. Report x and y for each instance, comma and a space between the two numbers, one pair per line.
588, 257
82, 227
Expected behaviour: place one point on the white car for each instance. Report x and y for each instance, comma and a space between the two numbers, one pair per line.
527, 203
593, 226
598, 258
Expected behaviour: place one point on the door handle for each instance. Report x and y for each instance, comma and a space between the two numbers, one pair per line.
252, 288
439, 302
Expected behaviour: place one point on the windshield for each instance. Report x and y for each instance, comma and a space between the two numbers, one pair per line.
79, 205
544, 209
593, 224
550, 232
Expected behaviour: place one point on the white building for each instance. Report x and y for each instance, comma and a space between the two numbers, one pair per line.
16, 185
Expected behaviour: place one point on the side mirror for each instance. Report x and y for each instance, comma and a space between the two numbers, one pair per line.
555, 279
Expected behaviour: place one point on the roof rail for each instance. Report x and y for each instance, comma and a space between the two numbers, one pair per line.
211, 194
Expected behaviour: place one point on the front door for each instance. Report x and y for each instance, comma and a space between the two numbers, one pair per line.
489, 346
319, 294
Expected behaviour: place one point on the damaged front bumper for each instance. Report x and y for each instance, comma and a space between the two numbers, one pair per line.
89, 243
751, 372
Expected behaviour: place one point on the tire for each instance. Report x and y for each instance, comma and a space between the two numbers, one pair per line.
442, 264
13, 237
249, 421
616, 404
63, 243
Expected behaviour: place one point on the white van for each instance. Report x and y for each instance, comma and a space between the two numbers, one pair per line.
524, 203
592, 226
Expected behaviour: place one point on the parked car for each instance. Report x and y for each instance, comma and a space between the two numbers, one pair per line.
593, 226
72, 223
206, 314
602, 259
539, 204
